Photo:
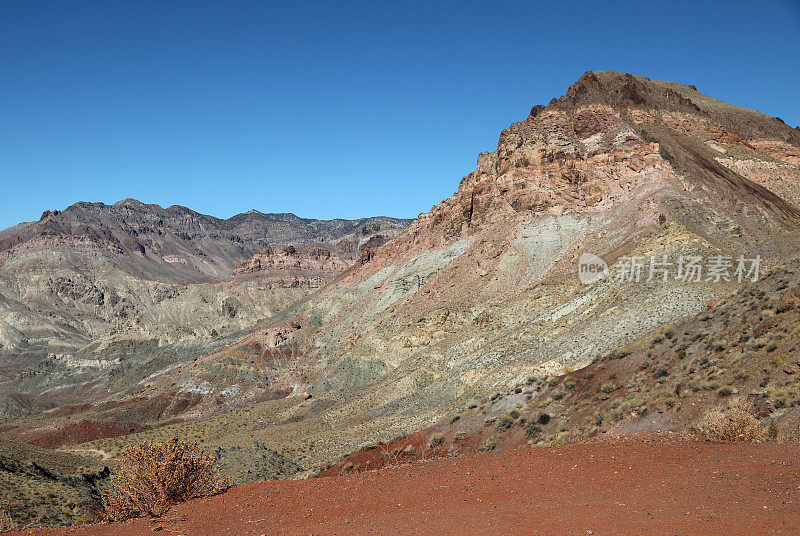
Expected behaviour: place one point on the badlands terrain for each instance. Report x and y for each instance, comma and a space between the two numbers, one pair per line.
297, 348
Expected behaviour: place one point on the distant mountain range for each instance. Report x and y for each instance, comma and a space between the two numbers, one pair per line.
93, 268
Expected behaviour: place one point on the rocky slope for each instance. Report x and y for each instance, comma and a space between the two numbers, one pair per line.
95, 285
482, 293
33, 479
742, 346
288, 267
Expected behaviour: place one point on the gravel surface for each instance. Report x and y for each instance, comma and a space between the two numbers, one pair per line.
641, 486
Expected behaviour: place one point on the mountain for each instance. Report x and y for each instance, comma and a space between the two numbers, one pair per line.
482, 292
479, 296
138, 280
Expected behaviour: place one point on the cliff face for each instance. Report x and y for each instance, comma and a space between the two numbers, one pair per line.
288, 267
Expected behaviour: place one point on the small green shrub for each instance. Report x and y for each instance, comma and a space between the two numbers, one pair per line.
543, 419
660, 373
435, 441
598, 419
531, 429
608, 387
504, 423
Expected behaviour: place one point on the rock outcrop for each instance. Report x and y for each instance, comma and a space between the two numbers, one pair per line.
288, 267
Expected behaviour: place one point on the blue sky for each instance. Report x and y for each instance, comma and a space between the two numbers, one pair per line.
326, 109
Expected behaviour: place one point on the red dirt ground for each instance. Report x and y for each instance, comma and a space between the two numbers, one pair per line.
638, 487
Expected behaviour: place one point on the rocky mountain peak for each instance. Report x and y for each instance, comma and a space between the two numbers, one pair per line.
613, 135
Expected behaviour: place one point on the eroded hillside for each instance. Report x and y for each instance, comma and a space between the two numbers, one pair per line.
110, 294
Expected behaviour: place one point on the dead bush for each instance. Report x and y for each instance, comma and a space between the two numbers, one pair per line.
6, 522
735, 422
435, 441
153, 477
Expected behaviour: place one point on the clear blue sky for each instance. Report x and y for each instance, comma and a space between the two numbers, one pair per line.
332, 109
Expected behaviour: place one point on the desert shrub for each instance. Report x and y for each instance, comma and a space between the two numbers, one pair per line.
531, 429
6, 522
561, 438
435, 441
504, 423
570, 383
608, 387
620, 353
725, 391
543, 418
735, 422
153, 477
660, 373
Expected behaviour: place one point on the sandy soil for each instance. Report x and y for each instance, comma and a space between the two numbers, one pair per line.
641, 486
